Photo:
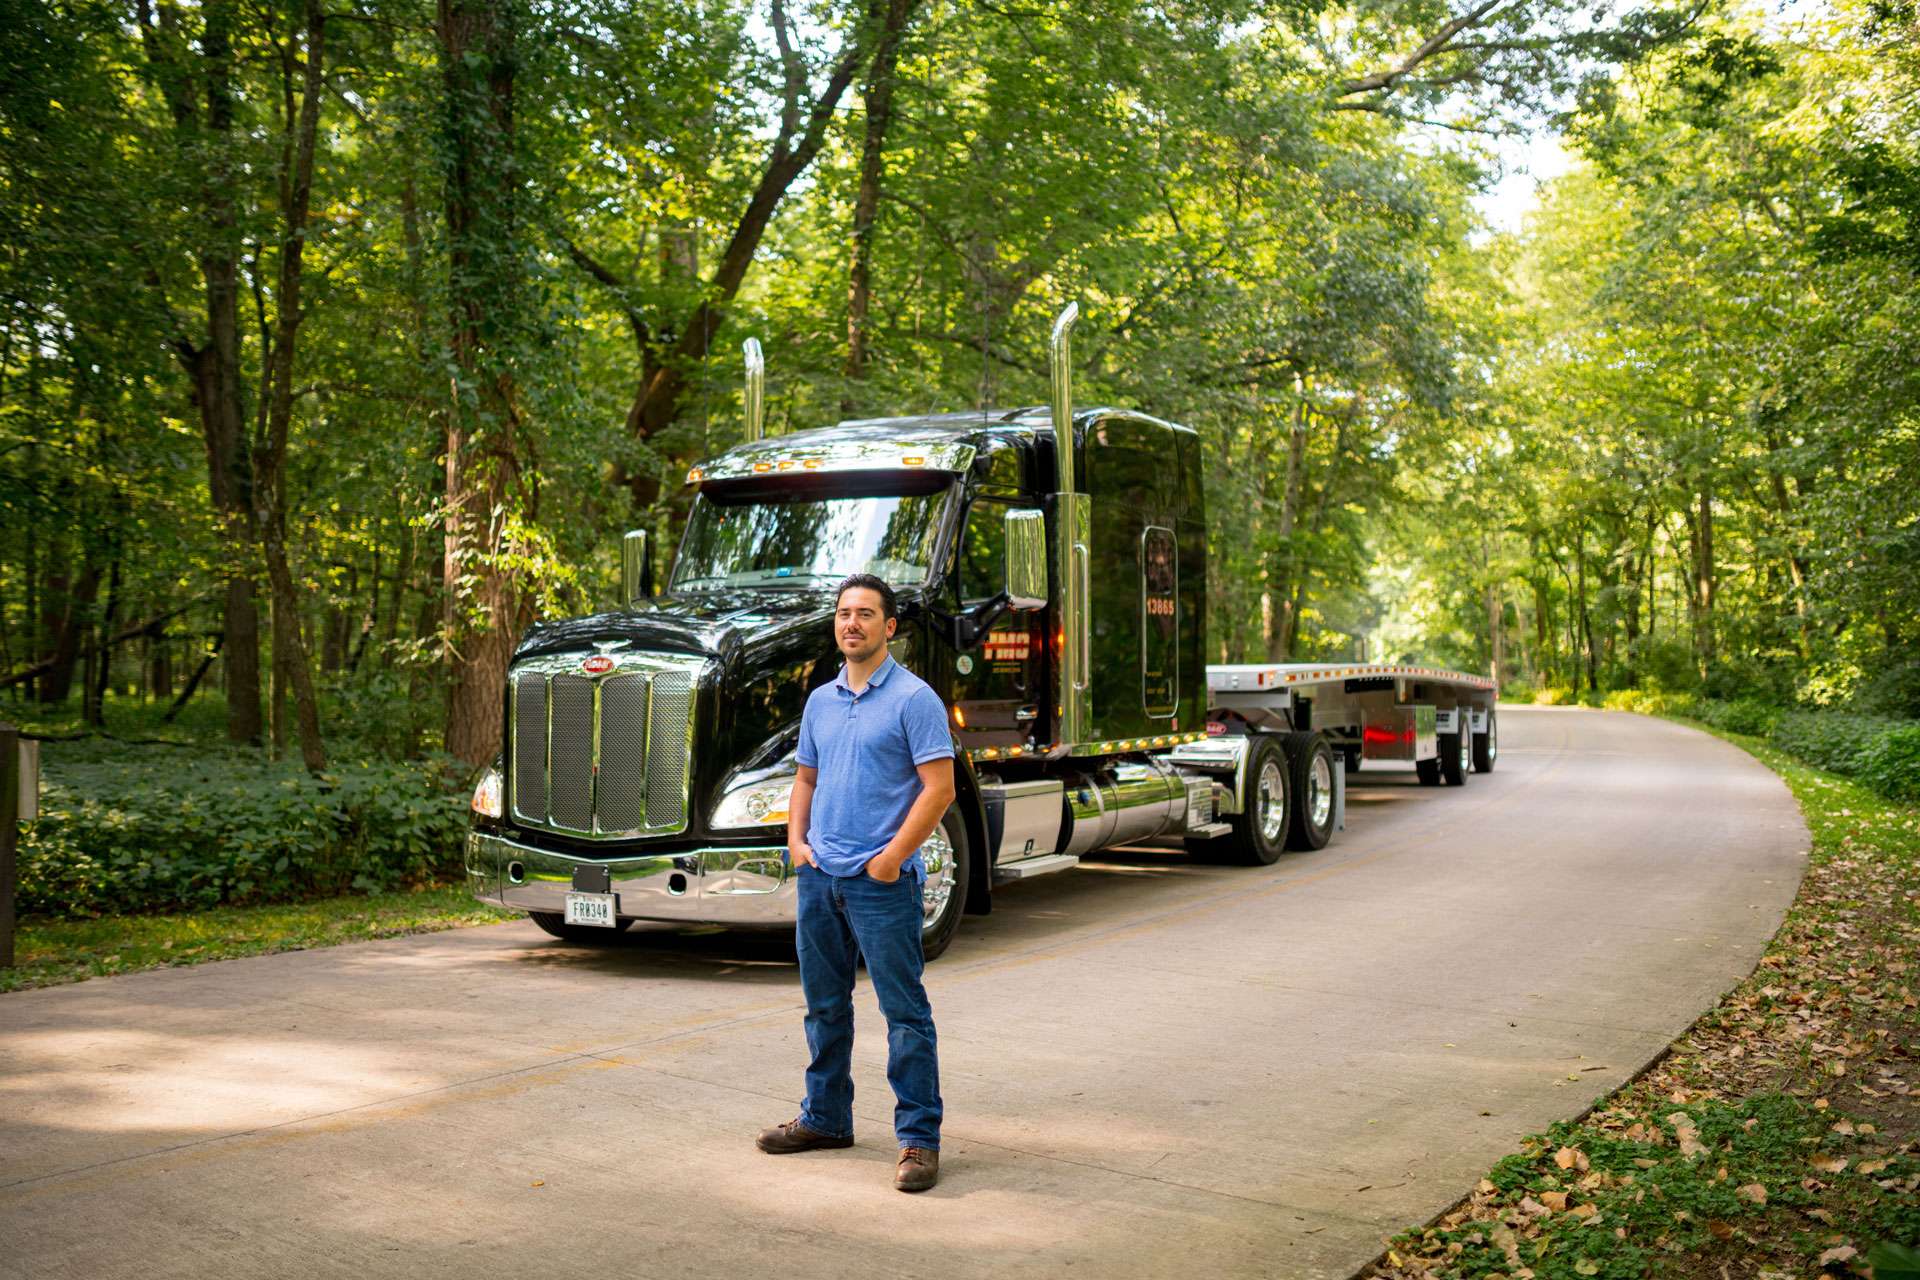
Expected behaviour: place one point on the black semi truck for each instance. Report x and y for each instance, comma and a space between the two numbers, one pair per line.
1053, 595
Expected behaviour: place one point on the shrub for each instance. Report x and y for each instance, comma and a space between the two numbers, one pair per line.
1555, 696
1890, 764
177, 828
1831, 740
1742, 715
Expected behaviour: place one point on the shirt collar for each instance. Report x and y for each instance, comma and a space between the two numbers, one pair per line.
879, 676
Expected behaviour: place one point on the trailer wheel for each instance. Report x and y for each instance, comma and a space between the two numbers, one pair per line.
1428, 771
1486, 746
1260, 829
1311, 759
556, 924
944, 895
1456, 753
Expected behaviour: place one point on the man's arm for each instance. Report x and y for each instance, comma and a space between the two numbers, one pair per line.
799, 811
936, 793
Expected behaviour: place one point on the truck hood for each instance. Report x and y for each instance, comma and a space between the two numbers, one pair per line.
719, 624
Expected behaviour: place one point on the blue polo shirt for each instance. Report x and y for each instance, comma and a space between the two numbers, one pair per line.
867, 747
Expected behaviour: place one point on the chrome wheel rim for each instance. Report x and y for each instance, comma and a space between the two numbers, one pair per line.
1466, 750
1320, 790
1493, 739
1273, 802
937, 853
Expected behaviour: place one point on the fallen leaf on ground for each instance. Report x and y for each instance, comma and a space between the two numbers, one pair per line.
1829, 1164
1839, 1253
1753, 1191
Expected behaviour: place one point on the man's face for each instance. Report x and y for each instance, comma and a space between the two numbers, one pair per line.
861, 626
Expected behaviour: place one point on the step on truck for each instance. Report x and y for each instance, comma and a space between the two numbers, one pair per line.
1050, 568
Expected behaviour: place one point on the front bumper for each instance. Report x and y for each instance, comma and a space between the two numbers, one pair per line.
736, 886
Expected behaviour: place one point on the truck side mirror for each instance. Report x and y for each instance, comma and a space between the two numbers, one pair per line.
1026, 559
636, 568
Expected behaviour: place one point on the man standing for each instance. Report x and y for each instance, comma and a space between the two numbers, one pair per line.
875, 778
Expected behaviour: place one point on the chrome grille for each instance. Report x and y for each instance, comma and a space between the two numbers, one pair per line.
666, 776
623, 753
529, 761
570, 752
603, 756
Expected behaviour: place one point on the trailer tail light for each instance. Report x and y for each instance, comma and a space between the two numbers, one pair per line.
1381, 735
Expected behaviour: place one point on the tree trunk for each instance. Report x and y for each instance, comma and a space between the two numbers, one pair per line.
878, 96
484, 605
71, 604
292, 667
94, 696
1284, 566
1705, 584
1496, 633
201, 99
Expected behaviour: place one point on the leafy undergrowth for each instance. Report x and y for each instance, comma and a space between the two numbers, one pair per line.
54, 951
1778, 1138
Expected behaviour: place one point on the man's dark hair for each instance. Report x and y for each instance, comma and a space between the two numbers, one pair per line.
871, 583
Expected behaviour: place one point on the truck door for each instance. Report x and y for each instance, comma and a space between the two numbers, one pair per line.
997, 686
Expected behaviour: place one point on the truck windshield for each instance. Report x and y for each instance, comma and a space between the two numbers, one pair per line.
765, 539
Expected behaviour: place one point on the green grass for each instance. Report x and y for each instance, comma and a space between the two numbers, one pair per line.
1778, 1138
50, 952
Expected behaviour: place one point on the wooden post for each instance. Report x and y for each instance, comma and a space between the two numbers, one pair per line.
9, 832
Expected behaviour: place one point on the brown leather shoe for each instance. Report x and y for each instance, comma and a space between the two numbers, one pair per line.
785, 1139
919, 1169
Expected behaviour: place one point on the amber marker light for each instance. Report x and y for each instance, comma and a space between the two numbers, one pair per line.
762, 466
694, 476
811, 464
913, 460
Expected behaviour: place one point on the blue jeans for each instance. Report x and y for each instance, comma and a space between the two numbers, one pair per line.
842, 919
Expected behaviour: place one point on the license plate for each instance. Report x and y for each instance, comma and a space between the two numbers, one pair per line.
590, 908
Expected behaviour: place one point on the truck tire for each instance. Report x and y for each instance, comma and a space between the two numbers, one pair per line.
1311, 758
944, 896
1428, 771
1456, 753
1486, 746
555, 923
1260, 830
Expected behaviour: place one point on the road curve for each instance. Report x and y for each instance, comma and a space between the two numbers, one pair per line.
1150, 1067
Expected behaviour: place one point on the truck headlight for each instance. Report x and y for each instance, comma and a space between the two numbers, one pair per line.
486, 794
761, 804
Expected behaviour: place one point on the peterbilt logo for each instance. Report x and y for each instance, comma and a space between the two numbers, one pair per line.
598, 664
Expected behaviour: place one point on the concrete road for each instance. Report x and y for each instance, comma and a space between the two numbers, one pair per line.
1150, 1068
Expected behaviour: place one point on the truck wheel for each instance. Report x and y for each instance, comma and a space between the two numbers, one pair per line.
944, 896
1456, 755
1486, 746
1312, 778
1260, 829
1428, 771
556, 924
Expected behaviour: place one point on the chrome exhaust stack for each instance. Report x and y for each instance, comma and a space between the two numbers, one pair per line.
1073, 546
756, 397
